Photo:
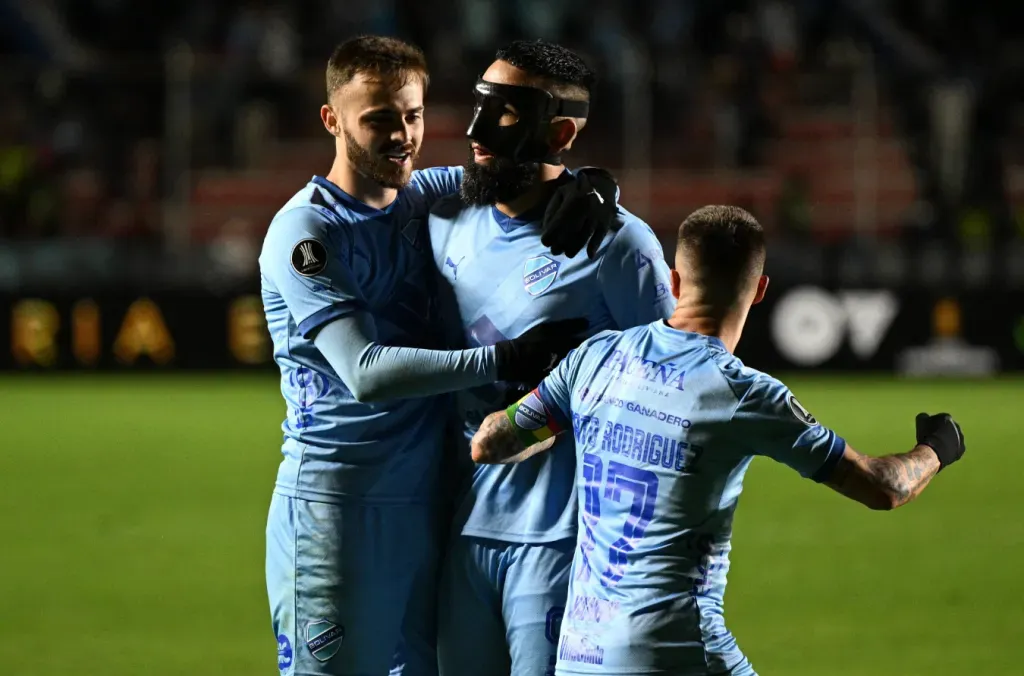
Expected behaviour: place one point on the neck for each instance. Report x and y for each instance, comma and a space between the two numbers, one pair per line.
694, 315
535, 195
361, 187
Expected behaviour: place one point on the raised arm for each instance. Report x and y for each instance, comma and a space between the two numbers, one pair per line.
306, 259
887, 482
778, 425
891, 481
375, 372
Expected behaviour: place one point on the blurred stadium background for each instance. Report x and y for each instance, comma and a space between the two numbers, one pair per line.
145, 146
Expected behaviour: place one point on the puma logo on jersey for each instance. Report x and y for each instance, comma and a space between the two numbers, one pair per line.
454, 266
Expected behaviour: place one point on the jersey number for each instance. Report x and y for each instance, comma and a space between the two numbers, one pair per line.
640, 485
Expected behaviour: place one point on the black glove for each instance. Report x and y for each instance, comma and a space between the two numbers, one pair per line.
943, 435
581, 213
528, 358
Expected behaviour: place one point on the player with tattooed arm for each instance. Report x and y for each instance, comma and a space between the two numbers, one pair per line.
666, 422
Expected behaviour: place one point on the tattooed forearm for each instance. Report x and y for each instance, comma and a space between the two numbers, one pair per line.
496, 442
887, 482
905, 476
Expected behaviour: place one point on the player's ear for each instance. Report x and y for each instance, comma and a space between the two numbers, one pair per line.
677, 283
330, 120
762, 286
561, 134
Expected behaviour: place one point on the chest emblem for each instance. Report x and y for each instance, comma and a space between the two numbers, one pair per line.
539, 274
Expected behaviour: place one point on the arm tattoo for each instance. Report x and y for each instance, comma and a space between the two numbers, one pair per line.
904, 476
496, 442
886, 482
496, 439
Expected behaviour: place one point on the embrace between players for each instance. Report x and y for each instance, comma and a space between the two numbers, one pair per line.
424, 320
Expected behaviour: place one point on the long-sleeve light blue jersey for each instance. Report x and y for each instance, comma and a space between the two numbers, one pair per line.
666, 423
327, 257
499, 281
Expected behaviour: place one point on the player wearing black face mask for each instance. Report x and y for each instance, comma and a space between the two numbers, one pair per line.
505, 578
518, 133
512, 121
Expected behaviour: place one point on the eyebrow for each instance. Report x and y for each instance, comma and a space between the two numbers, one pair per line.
387, 110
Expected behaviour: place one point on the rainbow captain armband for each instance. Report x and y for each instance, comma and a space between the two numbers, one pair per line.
531, 421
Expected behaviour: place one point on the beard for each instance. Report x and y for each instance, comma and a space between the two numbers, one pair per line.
376, 166
500, 180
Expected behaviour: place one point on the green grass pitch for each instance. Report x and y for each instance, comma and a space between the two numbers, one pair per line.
133, 511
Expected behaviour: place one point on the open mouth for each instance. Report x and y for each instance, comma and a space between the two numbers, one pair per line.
481, 153
399, 157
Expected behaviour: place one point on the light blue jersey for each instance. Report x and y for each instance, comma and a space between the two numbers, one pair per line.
501, 281
327, 256
666, 423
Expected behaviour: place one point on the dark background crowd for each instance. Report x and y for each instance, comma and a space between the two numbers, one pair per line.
161, 138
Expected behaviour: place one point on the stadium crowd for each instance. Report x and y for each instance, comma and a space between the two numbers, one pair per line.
82, 131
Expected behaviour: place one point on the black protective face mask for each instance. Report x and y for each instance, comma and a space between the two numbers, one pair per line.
526, 140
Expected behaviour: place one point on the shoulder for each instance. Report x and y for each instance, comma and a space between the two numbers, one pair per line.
311, 210
304, 220
603, 339
317, 228
448, 208
634, 237
429, 185
588, 356
746, 382
432, 176
605, 342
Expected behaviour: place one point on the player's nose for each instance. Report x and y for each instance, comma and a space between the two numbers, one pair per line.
403, 133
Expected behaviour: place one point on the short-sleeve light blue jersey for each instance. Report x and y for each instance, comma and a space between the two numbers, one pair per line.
326, 256
666, 423
499, 281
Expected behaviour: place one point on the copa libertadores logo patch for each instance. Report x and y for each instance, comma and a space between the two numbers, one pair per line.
801, 413
309, 257
323, 638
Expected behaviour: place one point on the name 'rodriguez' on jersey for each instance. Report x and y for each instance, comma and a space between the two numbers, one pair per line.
500, 280
666, 423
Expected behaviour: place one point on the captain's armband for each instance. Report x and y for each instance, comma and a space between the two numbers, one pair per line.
531, 420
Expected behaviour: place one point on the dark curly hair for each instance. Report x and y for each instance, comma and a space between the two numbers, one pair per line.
560, 70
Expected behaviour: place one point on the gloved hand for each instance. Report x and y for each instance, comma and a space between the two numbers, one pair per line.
581, 213
528, 358
943, 435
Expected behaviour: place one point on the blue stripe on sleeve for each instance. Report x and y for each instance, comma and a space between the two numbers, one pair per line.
834, 455
315, 321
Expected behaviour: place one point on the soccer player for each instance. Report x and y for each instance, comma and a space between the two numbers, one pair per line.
666, 421
505, 579
346, 279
